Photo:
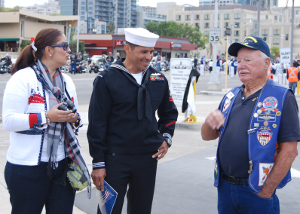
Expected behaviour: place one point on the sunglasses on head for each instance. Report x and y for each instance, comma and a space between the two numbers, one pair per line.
64, 45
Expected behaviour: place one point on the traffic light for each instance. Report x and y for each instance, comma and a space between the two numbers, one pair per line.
286, 36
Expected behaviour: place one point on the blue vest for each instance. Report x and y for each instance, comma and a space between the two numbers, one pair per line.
262, 133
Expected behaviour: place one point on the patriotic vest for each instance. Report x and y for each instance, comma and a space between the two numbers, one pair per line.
262, 133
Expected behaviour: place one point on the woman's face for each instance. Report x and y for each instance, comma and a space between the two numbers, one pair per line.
60, 56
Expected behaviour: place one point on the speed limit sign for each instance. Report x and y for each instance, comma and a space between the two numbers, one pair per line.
214, 35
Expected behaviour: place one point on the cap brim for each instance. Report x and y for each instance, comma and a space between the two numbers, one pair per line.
235, 47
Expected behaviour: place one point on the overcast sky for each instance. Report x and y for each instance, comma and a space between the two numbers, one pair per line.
12, 3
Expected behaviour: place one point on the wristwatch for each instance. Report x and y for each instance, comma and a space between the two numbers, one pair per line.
169, 141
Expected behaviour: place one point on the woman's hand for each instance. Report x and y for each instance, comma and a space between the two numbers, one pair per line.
56, 115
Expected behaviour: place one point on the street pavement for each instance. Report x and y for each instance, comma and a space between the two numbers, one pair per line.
184, 181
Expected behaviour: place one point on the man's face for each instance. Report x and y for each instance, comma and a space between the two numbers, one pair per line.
251, 65
140, 57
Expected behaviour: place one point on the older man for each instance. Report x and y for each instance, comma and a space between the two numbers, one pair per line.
124, 136
258, 129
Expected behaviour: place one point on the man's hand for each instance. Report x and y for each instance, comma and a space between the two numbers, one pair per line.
98, 176
162, 151
213, 122
215, 119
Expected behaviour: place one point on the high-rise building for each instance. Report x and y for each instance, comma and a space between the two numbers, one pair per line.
2, 3
69, 7
121, 12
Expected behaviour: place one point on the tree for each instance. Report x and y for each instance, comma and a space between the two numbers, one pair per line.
73, 43
109, 27
179, 30
275, 52
16, 8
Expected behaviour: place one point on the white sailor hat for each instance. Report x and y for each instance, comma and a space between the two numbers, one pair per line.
140, 36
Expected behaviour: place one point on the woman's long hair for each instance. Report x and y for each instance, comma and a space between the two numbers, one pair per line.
44, 38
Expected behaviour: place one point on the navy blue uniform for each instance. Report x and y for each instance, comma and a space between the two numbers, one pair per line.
123, 143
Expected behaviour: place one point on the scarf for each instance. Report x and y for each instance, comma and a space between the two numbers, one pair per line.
60, 132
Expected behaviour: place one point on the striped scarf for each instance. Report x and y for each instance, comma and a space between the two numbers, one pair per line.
60, 132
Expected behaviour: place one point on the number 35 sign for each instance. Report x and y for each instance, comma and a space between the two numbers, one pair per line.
214, 35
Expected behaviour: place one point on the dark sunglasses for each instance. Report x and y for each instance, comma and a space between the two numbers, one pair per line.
64, 45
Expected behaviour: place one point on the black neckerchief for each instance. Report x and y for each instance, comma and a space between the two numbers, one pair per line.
144, 105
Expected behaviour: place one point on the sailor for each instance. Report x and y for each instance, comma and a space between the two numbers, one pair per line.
202, 67
258, 129
125, 138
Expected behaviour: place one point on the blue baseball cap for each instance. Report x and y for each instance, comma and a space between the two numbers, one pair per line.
252, 42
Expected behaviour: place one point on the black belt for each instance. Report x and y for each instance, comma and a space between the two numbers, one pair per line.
233, 180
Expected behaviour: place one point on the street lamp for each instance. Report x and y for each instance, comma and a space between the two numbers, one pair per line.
113, 30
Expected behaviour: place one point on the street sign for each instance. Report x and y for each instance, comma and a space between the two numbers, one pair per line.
228, 31
285, 54
214, 35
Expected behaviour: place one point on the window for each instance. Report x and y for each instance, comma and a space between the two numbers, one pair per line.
236, 33
237, 16
197, 17
267, 16
196, 24
178, 18
187, 17
275, 17
218, 16
206, 17
226, 16
226, 24
280, 18
276, 32
297, 12
236, 25
264, 32
206, 25
275, 41
245, 33
206, 32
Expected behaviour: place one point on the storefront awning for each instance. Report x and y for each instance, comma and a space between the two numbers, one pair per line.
8, 39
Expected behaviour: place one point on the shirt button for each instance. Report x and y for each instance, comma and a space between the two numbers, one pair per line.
113, 154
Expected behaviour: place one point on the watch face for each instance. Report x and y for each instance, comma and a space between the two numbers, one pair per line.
169, 141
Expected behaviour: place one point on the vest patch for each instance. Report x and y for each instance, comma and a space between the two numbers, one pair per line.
264, 170
226, 104
264, 135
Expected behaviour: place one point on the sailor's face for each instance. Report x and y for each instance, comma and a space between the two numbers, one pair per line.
141, 57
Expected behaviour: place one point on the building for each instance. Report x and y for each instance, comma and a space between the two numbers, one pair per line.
2, 3
144, 17
16, 26
105, 43
50, 8
264, 3
69, 7
121, 13
275, 24
148, 9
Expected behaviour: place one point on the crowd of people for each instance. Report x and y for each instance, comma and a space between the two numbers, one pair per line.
132, 120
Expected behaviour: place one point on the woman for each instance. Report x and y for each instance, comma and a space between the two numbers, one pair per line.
42, 139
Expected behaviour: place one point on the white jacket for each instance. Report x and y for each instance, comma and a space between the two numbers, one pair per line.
24, 94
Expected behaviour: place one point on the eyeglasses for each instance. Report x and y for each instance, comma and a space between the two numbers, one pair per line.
64, 45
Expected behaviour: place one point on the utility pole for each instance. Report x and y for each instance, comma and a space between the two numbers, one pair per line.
77, 48
214, 84
258, 16
292, 33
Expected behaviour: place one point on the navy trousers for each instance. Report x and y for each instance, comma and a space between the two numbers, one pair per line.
139, 173
30, 189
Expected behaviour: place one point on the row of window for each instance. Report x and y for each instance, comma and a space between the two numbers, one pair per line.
226, 17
